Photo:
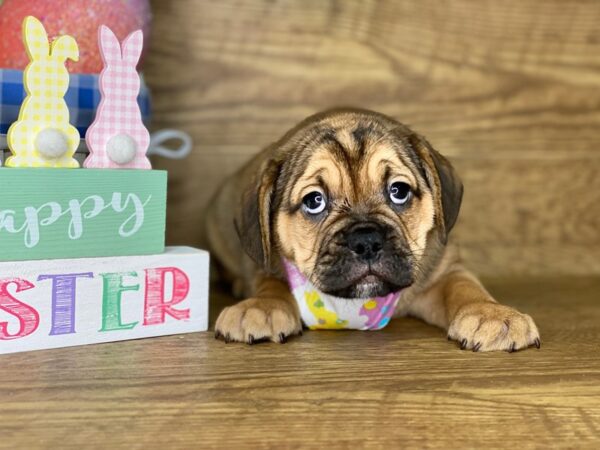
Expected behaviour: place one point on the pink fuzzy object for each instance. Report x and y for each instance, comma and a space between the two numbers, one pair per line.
77, 18
117, 138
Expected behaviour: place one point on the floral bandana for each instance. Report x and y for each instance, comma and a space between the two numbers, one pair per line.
326, 312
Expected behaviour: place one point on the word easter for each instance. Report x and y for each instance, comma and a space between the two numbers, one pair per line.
102, 299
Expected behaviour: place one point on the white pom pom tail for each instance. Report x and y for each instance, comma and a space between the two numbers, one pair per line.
121, 148
51, 143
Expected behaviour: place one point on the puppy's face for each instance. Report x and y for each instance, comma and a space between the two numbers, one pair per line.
357, 201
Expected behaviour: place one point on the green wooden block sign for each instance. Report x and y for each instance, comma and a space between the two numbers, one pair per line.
81, 213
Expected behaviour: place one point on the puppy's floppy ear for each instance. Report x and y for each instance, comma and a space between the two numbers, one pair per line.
444, 181
253, 218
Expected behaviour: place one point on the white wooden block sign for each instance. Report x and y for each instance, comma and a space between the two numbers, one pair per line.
65, 302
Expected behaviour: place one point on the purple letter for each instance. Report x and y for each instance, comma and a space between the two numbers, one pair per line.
63, 301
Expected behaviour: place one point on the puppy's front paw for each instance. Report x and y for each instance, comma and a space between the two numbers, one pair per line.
490, 326
257, 319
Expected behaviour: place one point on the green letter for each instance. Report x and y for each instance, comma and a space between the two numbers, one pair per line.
111, 300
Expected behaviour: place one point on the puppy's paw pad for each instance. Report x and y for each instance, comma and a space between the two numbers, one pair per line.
254, 320
490, 326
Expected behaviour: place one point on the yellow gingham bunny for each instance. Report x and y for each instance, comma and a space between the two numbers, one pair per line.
42, 136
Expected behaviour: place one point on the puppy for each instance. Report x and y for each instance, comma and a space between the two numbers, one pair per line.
361, 206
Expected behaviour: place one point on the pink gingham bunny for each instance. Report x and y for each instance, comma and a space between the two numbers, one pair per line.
117, 138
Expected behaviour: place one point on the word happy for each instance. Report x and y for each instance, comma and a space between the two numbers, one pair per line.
33, 219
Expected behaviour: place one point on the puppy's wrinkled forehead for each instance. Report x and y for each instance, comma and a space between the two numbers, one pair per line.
349, 157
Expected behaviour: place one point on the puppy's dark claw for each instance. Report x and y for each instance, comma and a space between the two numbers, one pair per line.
218, 334
282, 338
477, 347
537, 343
227, 338
513, 348
250, 340
463, 344
449, 338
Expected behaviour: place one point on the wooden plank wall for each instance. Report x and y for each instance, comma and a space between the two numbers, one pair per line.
510, 91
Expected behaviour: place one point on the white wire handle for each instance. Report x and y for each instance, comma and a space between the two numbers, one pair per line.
160, 137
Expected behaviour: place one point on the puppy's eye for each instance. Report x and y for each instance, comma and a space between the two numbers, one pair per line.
400, 193
314, 203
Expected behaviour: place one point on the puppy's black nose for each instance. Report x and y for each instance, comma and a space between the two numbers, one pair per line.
366, 242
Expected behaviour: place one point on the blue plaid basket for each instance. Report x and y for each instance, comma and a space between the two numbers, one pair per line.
82, 98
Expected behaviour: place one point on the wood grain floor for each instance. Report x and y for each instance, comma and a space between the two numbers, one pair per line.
403, 387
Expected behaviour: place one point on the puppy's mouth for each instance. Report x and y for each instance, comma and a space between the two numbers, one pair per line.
367, 285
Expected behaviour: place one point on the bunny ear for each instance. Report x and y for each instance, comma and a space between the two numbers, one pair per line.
36, 38
65, 47
132, 48
109, 46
